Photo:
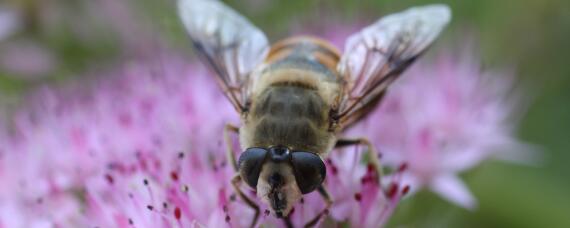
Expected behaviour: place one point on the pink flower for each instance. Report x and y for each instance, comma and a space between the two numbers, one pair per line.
443, 118
143, 145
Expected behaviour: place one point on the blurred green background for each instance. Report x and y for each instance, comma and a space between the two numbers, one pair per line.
83, 36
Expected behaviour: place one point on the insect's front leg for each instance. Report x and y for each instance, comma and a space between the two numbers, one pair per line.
328, 203
235, 183
230, 155
372, 152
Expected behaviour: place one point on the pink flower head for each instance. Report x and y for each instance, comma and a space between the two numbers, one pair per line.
444, 118
144, 146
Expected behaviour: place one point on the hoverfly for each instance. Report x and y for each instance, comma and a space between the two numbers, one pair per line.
296, 96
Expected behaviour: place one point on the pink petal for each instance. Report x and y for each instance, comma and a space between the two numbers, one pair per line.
454, 190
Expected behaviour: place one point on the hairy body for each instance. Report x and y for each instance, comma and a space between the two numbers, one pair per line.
296, 88
296, 96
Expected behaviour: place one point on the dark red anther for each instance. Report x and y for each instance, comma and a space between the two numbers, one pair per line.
363, 180
266, 212
405, 190
392, 190
329, 161
403, 167
302, 200
225, 208
358, 197
130, 221
227, 218
165, 205
174, 175
326, 211
334, 170
370, 168
150, 207
145, 182
177, 213
109, 178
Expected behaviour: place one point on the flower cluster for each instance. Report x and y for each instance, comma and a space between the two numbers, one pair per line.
142, 146
446, 117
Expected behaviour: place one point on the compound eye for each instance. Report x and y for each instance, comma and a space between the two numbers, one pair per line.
249, 163
310, 171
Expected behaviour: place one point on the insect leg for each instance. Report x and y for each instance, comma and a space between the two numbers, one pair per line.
235, 183
328, 203
372, 152
230, 155
287, 222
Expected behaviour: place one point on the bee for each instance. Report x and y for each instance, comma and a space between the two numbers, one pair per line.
296, 97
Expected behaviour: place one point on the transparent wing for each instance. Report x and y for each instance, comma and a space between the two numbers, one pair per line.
378, 54
227, 42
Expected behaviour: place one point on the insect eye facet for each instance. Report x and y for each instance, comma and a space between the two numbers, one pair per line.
250, 163
310, 171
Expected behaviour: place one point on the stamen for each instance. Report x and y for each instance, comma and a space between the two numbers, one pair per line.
406, 190
334, 170
174, 175
358, 197
109, 178
370, 167
392, 190
403, 167
177, 213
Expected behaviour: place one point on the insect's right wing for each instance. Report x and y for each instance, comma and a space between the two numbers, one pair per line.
227, 42
377, 55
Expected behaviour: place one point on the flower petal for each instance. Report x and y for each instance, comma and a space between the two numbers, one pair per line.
451, 188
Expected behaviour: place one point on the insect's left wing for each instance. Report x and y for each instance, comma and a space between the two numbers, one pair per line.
227, 42
378, 54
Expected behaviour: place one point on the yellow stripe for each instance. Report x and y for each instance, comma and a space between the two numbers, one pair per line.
325, 53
